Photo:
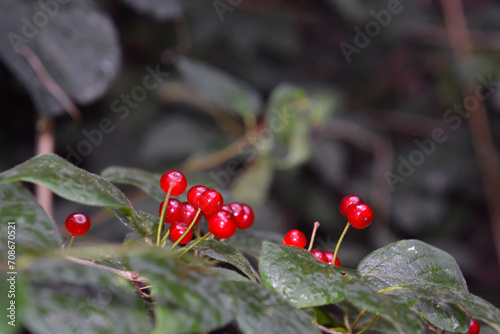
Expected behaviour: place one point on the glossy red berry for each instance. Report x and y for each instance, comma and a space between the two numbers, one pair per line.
243, 214
319, 254
188, 213
194, 194
77, 223
177, 229
174, 210
222, 224
329, 258
210, 201
174, 179
295, 238
347, 202
474, 327
359, 215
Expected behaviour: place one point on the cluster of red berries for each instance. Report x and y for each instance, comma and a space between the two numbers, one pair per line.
223, 220
359, 215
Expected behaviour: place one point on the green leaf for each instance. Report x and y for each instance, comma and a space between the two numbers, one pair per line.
66, 297
188, 299
230, 92
261, 310
72, 183
148, 182
408, 262
32, 230
291, 114
81, 55
226, 253
299, 276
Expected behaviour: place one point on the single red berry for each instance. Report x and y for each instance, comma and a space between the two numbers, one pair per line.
474, 326
319, 254
359, 215
174, 179
243, 214
174, 210
188, 213
347, 202
210, 201
329, 258
77, 223
177, 229
222, 224
295, 238
194, 194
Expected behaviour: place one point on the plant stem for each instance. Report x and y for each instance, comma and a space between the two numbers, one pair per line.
70, 242
392, 288
358, 318
187, 231
369, 325
184, 251
162, 215
313, 235
339, 242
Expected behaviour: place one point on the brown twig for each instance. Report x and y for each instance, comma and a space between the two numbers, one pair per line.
327, 330
44, 144
48, 81
486, 153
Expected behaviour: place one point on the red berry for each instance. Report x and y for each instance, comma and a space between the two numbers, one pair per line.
210, 201
474, 327
319, 254
177, 229
174, 179
329, 258
359, 215
188, 213
222, 224
174, 210
194, 194
77, 223
243, 214
347, 202
295, 238
228, 208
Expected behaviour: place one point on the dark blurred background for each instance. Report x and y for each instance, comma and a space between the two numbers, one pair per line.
286, 105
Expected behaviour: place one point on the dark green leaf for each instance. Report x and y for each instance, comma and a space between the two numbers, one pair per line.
231, 93
413, 262
72, 183
148, 182
299, 276
188, 299
66, 297
253, 185
226, 253
260, 310
32, 230
82, 55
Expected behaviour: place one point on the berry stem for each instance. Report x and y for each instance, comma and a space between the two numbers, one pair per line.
339, 242
313, 235
375, 318
357, 319
165, 238
162, 216
70, 242
185, 250
187, 231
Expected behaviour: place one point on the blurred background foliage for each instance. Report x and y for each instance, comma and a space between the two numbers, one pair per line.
280, 103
